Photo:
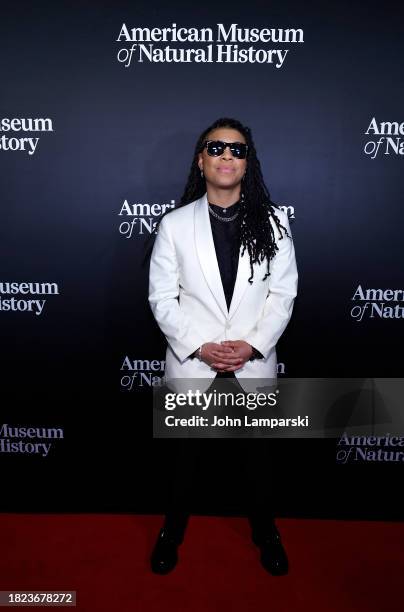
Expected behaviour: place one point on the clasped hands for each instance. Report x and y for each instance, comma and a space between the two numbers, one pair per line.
228, 356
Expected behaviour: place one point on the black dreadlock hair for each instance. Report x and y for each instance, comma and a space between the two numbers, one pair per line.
255, 230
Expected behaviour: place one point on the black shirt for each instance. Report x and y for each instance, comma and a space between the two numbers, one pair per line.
226, 236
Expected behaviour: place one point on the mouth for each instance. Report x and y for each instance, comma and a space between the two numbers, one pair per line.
225, 170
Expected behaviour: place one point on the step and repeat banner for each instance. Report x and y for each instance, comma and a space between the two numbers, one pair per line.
101, 106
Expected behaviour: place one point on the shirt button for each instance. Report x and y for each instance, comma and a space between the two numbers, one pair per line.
228, 325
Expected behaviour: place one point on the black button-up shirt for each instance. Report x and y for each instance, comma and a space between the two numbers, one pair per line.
226, 236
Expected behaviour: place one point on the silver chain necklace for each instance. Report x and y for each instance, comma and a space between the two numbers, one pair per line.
224, 219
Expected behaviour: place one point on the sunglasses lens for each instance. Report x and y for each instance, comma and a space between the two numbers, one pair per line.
215, 148
239, 150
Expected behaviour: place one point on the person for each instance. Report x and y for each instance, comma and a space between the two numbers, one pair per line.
222, 284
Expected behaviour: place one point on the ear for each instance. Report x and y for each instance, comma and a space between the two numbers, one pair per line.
200, 161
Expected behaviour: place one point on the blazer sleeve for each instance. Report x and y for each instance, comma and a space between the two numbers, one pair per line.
179, 330
281, 294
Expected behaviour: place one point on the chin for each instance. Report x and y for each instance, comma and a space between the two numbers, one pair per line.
226, 184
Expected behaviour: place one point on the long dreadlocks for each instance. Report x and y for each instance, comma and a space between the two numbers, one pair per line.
255, 229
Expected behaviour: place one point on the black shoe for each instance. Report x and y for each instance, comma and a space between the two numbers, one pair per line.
273, 555
164, 556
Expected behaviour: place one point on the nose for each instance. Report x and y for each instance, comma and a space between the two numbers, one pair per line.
227, 154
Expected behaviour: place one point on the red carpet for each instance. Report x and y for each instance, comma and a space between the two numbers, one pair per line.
334, 565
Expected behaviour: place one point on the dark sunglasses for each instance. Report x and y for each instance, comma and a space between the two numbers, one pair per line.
217, 147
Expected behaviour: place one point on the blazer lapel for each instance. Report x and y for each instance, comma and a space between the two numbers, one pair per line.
241, 284
205, 248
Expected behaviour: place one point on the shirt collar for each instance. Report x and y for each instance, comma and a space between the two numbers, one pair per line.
226, 212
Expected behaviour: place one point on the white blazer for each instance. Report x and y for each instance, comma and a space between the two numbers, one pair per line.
188, 302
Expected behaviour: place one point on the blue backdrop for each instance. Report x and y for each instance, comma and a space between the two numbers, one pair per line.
93, 144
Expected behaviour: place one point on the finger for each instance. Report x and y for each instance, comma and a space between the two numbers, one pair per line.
225, 354
218, 369
226, 349
230, 361
225, 366
220, 365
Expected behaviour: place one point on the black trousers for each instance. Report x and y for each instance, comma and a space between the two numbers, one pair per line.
251, 461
